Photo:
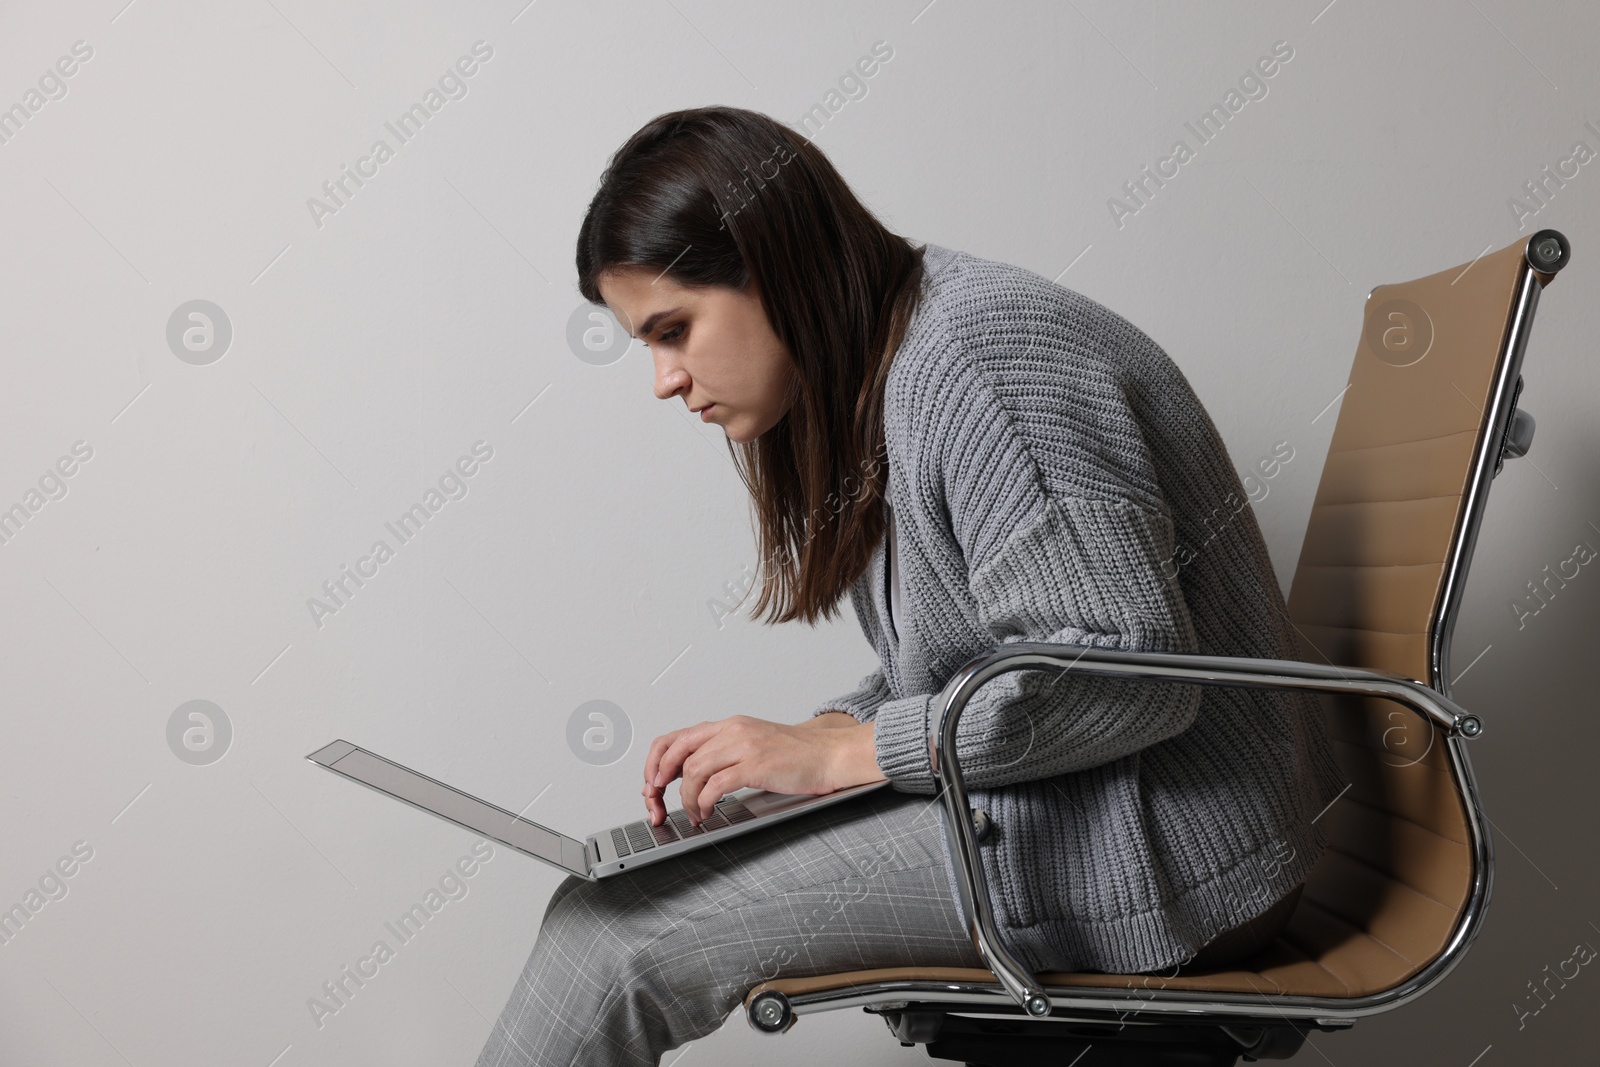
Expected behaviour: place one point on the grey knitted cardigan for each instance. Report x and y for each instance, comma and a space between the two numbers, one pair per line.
1053, 477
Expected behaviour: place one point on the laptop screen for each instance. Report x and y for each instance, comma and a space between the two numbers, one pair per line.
402, 783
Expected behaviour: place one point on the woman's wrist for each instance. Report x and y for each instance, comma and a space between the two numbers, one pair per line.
859, 758
856, 757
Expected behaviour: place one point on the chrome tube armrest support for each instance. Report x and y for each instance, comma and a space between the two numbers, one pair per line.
1236, 671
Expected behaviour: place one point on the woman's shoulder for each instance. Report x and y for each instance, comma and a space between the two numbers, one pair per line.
991, 306
1002, 362
982, 324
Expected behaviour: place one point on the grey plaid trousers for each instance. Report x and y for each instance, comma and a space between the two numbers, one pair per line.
628, 968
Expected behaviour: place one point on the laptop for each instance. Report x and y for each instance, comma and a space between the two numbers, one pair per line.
617, 850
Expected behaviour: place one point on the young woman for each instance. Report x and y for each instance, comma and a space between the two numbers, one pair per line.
977, 456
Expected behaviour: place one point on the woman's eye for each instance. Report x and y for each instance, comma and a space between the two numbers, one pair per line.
672, 335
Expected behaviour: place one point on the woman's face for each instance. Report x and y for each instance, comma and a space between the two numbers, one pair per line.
713, 347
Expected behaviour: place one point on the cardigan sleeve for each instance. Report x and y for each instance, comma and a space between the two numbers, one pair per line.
1084, 572
1064, 531
861, 702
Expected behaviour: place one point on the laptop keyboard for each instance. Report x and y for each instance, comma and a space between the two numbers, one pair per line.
640, 836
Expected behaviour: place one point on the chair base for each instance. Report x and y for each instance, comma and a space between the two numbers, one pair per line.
997, 1042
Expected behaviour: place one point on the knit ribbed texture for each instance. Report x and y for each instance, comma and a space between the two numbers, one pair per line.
1046, 460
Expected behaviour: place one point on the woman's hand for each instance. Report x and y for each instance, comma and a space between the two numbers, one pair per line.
716, 758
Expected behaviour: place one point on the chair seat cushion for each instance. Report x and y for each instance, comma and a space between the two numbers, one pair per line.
1318, 954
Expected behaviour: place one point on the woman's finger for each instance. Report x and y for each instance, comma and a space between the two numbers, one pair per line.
655, 810
684, 741
724, 781
653, 757
659, 764
710, 760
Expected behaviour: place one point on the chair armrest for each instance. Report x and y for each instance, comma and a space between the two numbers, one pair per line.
1235, 671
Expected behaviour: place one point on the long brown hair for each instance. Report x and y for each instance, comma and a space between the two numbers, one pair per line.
721, 195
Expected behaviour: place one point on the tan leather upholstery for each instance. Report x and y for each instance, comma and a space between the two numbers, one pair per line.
1383, 901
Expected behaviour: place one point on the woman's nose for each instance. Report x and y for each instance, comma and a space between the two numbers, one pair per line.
669, 379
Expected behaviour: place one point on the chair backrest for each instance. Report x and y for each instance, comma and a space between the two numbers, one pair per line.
1419, 437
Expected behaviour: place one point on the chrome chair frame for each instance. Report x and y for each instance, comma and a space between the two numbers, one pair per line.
1037, 1000
1492, 451
1019, 990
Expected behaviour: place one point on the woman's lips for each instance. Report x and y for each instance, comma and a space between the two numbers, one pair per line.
706, 411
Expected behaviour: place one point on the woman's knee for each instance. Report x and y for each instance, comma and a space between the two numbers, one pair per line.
568, 884
599, 925
641, 978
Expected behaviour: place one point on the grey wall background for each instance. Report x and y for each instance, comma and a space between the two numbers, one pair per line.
584, 560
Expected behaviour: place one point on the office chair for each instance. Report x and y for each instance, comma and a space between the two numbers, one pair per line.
1427, 421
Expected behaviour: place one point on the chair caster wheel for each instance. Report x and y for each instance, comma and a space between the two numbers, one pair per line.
770, 1012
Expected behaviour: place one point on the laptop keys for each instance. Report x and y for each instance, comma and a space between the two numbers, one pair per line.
640, 836
686, 829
